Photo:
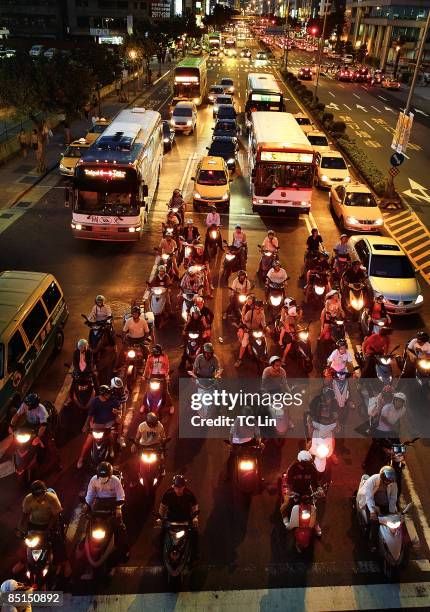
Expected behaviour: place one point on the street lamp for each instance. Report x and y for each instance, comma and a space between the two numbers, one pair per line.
132, 54
396, 61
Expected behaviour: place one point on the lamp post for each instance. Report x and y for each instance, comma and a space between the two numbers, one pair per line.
396, 61
287, 35
133, 55
326, 6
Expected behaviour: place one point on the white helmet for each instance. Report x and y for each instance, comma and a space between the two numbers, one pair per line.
400, 395
331, 294
9, 586
116, 383
273, 359
304, 455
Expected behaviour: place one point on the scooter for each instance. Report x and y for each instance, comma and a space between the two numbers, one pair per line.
25, 454
158, 303
319, 285
239, 300
212, 241
339, 264
303, 517
387, 451
393, 539
187, 303
176, 546
150, 467
257, 347
154, 398
322, 448
40, 566
371, 326
82, 389
327, 341
231, 262
193, 347
302, 349
354, 300
275, 298
100, 334
102, 448
135, 357
422, 373
266, 261
246, 466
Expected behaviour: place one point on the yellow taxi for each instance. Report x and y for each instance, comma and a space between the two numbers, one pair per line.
211, 183
72, 155
98, 128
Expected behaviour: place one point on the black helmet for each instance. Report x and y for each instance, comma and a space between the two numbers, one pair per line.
179, 480
387, 474
341, 342
422, 336
38, 488
104, 470
151, 419
157, 349
32, 400
259, 303
135, 309
105, 390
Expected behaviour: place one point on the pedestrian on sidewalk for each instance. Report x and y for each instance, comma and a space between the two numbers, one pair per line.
23, 142
40, 155
34, 139
87, 109
46, 132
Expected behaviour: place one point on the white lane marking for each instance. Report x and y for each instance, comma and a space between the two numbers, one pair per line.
162, 77
368, 124
388, 108
418, 506
6, 469
340, 85
377, 109
73, 525
417, 110
348, 107
317, 599
358, 97
331, 94
382, 98
362, 108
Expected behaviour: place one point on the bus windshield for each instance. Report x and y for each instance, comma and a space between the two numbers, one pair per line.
271, 176
105, 203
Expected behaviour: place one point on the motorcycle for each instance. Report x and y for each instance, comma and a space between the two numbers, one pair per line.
178, 212
212, 241
82, 389
371, 326
154, 398
25, 453
319, 284
231, 262
205, 386
335, 330
167, 262
393, 540
302, 349
387, 451
257, 347
135, 357
176, 546
150, 467
158, 301
339, 265
187, 303
354, 300
322, 448
275, 298
303, 517
103, 445
193, 347
266, 261
186, 252
39, 565
422, 373
239, 301
246, 466
100, 336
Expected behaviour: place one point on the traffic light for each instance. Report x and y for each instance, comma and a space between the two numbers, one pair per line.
314, 31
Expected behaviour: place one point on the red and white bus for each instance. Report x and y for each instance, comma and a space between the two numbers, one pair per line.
281, 164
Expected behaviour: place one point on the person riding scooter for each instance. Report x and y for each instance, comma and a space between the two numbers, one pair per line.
373, 345
254, 319
151, 433
240, 285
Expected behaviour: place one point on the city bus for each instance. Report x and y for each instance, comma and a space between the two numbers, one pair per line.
262, 94
190, 80
281, 164
230, 47
214, 39
116, 178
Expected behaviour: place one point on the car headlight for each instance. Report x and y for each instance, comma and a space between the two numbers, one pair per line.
419, 299
378, 222
347, 179
215, 108
196, 195
352, 220
230, 161
324, 178
189, 122
225, 196
172, 121
164, 140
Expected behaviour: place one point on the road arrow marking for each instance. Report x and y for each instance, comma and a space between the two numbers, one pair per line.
389, 109
333, 105
417, 110
422, 194
362, 108
377, 109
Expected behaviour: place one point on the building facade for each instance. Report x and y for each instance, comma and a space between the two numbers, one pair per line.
388, 28
43, 18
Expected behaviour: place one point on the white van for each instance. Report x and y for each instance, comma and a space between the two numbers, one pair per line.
36, 50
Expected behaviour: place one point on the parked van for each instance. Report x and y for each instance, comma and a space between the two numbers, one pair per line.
33, 313
36, 50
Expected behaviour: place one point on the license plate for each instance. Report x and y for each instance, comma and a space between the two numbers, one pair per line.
281, 210
82, 388
400, 310
367, 228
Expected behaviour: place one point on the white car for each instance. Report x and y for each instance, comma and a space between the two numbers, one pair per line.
304, 122
331, 170
319, 141
184, 117
356, 208
348, 59
227, 85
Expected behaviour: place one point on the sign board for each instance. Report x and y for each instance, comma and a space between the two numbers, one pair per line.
402, 133
160, 10
394, 171
397, 159
99, 32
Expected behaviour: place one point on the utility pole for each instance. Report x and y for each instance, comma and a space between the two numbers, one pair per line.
287, 34
417, 66
324, 8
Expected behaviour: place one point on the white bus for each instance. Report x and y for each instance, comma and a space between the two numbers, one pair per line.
116, 179
190, 81
281, 164
262, 94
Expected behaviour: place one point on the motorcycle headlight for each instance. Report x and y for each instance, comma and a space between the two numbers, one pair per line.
419, 299
157, 290
148, 457
165, 140
357, 303
131, 354
322, 451
385, 360
196, 195
229, 256
165, 257
305, 515
257, 334
98, 534
225, 196
246, 465
319, 290
97, 435
32, 541
179, 534
267, 253
215, 108
242, 298
22, 438
352, 221
393, 524
424, 364
172, 121
154, 385
275, 300
214, 234
193, 336
339, 322
45, 571
303, 335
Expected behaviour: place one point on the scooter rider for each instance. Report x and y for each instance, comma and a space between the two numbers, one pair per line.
322, 416
151, 433
343, 247
200, 258
377, 312
120, 392
340, 358
276, 275
240, 285
168, 246
100, 311
192, 281
239, 241
332, 310
162, 279
206, 314
135, 331
302, 477
354, 274
290, 316
253, 320
190, 232
179, 503
177, 201
158, 366
83, 363
213, 223
375, 344
314, 241
378, 495
102, 414
206, 365
105, 485
270, 242
7, 589
318, 265
274, 377
34, 414
419, 346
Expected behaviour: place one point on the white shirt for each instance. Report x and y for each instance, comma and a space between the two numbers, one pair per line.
366, 494
419, 350
277, 277
392, 415
98, 488
213, 218
339, 361
239, 239
244, 287
270, 244
136, 329
100, 313
35, 416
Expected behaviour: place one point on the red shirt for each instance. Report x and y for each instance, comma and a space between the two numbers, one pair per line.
157, 365
376, 344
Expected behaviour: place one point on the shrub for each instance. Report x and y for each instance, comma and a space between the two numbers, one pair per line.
327, 119
363, 164
338, 127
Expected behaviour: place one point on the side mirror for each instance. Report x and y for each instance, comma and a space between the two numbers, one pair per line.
193, 178
144, 191
67, 197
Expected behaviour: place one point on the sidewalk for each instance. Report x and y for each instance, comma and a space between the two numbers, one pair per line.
18, 175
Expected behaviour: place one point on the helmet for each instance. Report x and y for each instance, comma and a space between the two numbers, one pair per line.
116, 383
388, 389
328, 393
288, 301
273, 359
135, 309
190, 221
208, 347
9, 586
199, 246
422, 336
191, 270
341, 342
331, 294
151, 419
400, 395
38, 488
270, 233
237, 227
157, 349
161, 268
242, 273
32, 400
387, 474
105, 390
380, 298
304, 455
179, 480
104, 470
195, 310
82, 343
100, 298
344, 236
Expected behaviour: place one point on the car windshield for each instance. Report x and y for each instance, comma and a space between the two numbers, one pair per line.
211, 177
216, 90
303, 121
318, 141
73, 152
182, 112
386, 266
225, 126
221, 148
272, 176
261, 56
227, 82
333, 163
223, 100
360, 199
227, 111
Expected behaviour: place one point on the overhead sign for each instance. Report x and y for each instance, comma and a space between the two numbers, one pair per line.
160, 10
397, 159
402, 133
99, 32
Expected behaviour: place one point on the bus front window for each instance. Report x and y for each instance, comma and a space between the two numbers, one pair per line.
97, 203
271, 176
